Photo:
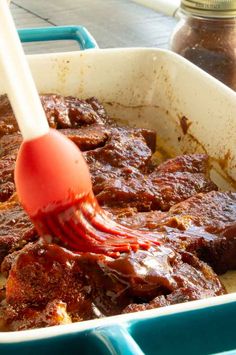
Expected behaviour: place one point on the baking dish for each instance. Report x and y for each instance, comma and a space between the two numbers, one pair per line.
156, 89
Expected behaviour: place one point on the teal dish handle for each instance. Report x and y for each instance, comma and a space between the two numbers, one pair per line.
116, 340
77, 33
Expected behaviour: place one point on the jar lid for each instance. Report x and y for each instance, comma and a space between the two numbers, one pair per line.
210, 8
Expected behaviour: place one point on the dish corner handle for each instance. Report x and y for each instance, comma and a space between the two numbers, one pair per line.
77, 33
117, 340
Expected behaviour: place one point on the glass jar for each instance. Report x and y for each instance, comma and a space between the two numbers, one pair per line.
206, 35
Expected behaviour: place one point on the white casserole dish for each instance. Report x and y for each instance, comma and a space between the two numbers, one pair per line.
146, 88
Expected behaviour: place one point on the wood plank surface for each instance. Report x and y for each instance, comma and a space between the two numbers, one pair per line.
113, 23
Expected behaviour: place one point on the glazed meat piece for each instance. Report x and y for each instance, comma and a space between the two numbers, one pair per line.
9, 145
39, 276
125, 148
174, 187
149, 136
71, 112
194, 164
138, 278
170, 183
216, 211
88, 137
85, 138
203, 224
92, 285
210, 218
54, 313
125, 155
145, 192
61, 112
8, 122
15, 228
39, 268
6, 190
130, 188
185, 293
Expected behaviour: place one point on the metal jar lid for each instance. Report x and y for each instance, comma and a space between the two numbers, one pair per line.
210, 8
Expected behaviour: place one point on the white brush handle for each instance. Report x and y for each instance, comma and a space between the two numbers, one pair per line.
19, 83
167, 7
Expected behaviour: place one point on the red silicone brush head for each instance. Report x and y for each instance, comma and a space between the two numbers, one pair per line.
50, 171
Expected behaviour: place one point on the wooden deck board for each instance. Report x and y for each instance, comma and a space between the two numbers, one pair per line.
113, 23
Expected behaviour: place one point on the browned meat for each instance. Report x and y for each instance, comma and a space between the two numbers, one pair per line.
88, 137
40, 274
39, 268
199, 288
131, 189
181, 295
215, 210
150, 138
147, 193
170, 183
125, 155
6, 190
124, 148
9, 145
142, 276
204, 224
136, 278
16, 228
61, 112
54, 313
8, 122
157, 302
70, 112
194, 163
211, 219
95, 136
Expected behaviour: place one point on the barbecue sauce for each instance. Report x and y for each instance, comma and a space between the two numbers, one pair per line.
206, 36
84, 227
